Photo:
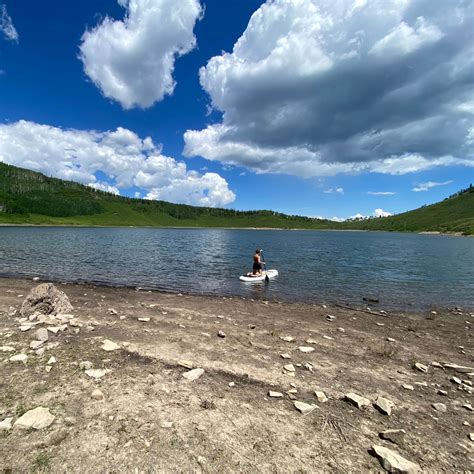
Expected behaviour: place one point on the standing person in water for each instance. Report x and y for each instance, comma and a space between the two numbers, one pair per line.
257, 263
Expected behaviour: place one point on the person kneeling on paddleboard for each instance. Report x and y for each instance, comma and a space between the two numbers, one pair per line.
257, 263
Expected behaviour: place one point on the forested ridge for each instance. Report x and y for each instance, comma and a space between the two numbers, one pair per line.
28, 197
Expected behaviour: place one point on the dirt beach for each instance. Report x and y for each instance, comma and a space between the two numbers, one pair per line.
125, 406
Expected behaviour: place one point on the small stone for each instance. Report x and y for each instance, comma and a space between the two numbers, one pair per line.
329, 338
308, 366
441, 407
390, 339
96, 373
144, 320
471, 436
321, 396
187, 364
285, 356
455, 380
24, 328
6, 424
466, 423
19, 358
97, 395
311, 341
287, 338
421, 367
458, 368
36, 344
221, 334
48, 368
193, 374
109, 346
357, 400
35, 278
167, 424
85, 365
292, 391
394, 436
384, 405
51, 361
112, 311
393, 462
273, 394
289, 368
231, 384
341, 329
38, 418
40, 351
41, 334
306, 349
304, 408
437, 365
380, 324
330, 317
442, 392
7, 349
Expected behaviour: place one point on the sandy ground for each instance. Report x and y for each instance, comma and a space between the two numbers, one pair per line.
153, 419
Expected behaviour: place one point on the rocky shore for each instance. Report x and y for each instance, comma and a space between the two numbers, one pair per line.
96, 379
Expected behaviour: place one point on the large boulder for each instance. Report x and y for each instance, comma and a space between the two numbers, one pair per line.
45, 299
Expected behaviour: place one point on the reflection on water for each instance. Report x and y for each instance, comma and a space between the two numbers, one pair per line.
403, 270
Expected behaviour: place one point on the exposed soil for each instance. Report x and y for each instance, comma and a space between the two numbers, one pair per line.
153, 419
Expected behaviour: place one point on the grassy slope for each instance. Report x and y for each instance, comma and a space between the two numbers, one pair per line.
451, 215
36, 199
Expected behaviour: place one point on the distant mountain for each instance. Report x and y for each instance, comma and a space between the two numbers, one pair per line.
28, 197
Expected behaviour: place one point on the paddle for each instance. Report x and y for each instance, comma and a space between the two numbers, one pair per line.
265, 266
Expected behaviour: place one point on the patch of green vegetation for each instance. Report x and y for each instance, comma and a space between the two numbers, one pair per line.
27, 197
21, 409
42, 463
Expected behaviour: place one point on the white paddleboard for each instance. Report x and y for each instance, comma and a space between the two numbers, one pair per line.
270, 273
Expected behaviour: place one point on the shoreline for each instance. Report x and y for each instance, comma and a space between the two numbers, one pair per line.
148, 416
453, 234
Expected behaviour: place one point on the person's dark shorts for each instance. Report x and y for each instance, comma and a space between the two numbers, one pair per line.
257, 267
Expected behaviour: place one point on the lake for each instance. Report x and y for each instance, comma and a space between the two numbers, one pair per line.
402, 270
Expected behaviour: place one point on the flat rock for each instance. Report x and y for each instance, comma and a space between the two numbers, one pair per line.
52, 360
455, 380
384, 405
458, 368
289, 368
439, 407
187, 364
321, 396
109, 346
285, 356
7, 349
193, 374
37, 419
19, 358
144, 320
407, 386
41, 334
273, 394
393, 462
45, 299
311, 341
85, 365
357, 400
421, 367
96, 373
6, 424
306, 349
221, 334
287, 338
54, 329
394, 436
304, 408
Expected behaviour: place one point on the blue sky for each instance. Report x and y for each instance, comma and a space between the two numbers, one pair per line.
312, 109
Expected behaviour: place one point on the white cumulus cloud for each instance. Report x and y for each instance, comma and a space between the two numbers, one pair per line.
132, 60
6, 25
334, 191
381, 213
321, 87
126, 159
428, 185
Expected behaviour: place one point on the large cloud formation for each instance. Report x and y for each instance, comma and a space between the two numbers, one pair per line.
318, 87
132, 61
125, 158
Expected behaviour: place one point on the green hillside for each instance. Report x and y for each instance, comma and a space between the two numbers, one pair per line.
454, 214
27, 197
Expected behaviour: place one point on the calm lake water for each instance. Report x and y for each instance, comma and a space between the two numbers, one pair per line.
402, 270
